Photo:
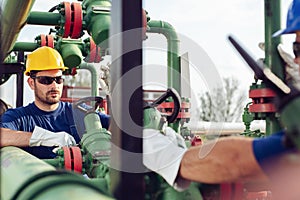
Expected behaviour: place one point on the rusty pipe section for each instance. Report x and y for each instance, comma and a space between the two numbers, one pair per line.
12, 23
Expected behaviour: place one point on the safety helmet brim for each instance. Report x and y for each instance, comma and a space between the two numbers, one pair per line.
27, 72
292, 20
283, 31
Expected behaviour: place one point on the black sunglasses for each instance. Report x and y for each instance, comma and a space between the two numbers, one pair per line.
47, 80
296, 49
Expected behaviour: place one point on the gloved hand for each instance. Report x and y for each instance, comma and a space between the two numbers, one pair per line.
292, 69
162, 153
43, 137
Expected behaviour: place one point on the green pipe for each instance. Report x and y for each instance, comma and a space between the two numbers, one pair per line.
71, 54
97, 20
44, 18
174, 71
12, 23
25, 46
25, 177
272, 57
290, 119
96, 143
57, 163
94, 77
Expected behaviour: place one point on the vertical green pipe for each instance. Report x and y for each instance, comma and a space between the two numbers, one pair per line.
94, 77
272, 57
174, 70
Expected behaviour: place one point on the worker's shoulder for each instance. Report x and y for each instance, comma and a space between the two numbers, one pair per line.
22, 110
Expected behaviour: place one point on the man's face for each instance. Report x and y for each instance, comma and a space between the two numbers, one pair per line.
296, 48
47, 90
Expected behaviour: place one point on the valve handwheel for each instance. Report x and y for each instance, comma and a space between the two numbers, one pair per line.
79, 104
176, 100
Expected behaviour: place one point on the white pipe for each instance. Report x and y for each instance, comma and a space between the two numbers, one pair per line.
223, 128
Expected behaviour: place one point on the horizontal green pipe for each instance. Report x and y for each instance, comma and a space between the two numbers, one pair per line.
25, 46
44, 18
158, 26
53, 162
25, 177
17, 166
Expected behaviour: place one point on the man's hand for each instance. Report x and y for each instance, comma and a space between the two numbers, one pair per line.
43, 137
162, 153
292, 69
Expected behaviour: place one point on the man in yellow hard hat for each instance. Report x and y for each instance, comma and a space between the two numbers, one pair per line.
47, 122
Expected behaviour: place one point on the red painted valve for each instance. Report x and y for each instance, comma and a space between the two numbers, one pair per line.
47, 40
73, 20
196, 140
73, 159
262, 100
95, 53
184, 114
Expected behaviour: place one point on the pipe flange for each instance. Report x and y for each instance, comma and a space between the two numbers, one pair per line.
76, 25
50, 41
43, 40
95, 52
47, 40
73, 159
262, 100
68, 19
77, 159
67, 158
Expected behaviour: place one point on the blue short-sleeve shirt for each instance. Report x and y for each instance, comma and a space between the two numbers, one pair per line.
27, 117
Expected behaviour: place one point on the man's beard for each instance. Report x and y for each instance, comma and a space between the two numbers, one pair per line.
47, 99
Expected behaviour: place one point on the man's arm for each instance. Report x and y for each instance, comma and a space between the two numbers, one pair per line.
224, 160
39, 137
10, 137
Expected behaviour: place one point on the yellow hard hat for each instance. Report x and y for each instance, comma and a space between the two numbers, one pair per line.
44, 58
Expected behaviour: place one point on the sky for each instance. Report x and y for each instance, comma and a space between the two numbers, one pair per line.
208, 23
203, 27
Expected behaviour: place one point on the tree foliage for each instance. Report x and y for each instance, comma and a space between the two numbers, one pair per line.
223, 104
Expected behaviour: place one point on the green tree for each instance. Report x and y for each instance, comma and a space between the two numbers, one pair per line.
223, 104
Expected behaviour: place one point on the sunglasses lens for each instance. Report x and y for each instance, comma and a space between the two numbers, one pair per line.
47, 80
44, 80
59, 80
